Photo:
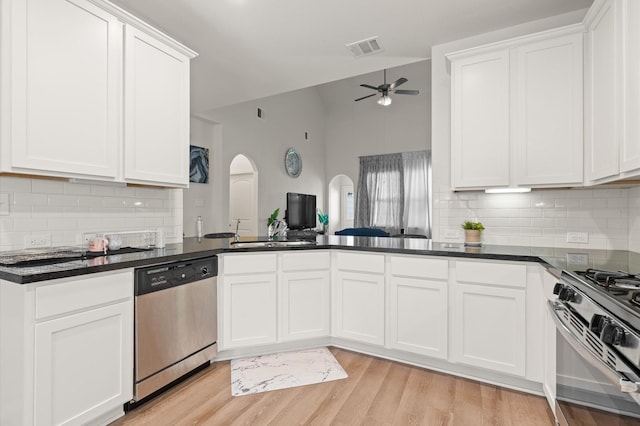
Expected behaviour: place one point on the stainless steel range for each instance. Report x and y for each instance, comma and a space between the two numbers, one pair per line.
597, 315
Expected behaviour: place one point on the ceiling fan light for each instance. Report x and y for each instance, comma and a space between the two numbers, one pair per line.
384, 100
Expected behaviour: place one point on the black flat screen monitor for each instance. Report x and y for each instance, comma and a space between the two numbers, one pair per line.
301, 211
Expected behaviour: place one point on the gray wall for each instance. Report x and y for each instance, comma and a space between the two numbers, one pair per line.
360, 128
237, 130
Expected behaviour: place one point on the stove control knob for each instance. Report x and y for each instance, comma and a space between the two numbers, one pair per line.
566, 294
557, 288
612, 334
597, 323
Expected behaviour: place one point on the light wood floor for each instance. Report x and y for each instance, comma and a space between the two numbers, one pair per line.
377, 392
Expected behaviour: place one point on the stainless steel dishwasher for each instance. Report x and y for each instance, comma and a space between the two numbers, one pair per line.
175, 322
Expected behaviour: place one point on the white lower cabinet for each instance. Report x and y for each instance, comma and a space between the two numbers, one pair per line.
248, 300
80, 365
359, 297
418, 305
489, 316
305, 295
66, 356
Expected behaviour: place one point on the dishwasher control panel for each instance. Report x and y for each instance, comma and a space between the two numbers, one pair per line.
159, 277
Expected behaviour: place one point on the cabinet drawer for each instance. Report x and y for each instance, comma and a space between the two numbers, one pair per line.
500, 274
82, 293
249, 263
372, 263
420, 267
306, 261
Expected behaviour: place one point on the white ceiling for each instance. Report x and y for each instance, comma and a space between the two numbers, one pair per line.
249, 49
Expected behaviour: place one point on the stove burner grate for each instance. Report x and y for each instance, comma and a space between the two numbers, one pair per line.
616, 281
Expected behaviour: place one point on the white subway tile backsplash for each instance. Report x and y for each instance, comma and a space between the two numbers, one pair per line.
66, 210
63, 200
43, 186
543, 217
29, 224
77, 188
46, 211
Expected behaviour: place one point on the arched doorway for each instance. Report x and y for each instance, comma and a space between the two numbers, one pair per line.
341, 203
243, 196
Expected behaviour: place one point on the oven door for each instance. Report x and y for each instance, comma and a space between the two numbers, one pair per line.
588, 390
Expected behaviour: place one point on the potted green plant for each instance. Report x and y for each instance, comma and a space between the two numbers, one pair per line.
273, 225
472, 232
323, 218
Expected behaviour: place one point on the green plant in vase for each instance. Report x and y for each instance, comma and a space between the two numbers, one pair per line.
472, 232
274, 225
323, 218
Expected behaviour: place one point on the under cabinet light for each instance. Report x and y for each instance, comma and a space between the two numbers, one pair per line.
506, 190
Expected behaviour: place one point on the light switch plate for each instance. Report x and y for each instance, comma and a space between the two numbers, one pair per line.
578, 237
577, 259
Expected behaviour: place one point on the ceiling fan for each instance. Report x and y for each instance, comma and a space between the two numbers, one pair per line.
385, 89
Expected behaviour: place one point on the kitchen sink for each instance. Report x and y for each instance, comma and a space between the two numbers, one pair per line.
268, 244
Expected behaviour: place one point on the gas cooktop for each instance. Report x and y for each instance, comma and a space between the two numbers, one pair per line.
618, 291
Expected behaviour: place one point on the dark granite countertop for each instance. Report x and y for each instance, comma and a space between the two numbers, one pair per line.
558, 258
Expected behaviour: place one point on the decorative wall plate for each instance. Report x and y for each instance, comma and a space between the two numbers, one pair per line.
293, 163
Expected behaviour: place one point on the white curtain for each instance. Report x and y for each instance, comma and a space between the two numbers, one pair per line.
380, 193
417, 197
394, 193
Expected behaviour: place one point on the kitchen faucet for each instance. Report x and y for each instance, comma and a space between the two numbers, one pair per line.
236, 236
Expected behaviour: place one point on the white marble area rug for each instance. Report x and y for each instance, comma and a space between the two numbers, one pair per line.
283, 370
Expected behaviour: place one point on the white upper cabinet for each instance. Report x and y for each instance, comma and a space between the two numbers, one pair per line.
156, 137
480, 118
517, 111
75, 76
61, 65
612, 91
549, 108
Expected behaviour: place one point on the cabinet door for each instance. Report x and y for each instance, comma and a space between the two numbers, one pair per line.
359, 307
480, 120
249, 310
603, 91
83, 365
630, 151
488, 328
65, 89
305, 304
418, 316
548, 143
156, 92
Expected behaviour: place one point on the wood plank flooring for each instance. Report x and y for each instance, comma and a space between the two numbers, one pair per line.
377, 392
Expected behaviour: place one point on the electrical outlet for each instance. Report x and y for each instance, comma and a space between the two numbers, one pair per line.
578, 237
37, 240
451, 234
577, 259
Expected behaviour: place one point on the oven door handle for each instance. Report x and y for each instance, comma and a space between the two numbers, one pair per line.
615, 377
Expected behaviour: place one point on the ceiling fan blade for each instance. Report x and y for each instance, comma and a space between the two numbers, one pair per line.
398, 82
368, 86
365, 97
406, 92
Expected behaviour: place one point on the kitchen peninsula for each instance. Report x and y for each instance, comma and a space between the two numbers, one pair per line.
410, 300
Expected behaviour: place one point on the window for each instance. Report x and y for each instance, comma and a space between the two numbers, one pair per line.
394, 192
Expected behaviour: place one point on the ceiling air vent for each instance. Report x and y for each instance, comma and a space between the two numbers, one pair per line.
365, 47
